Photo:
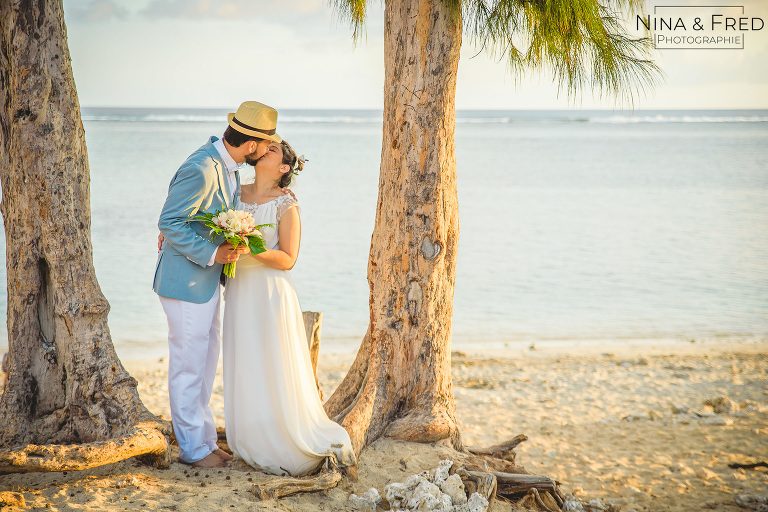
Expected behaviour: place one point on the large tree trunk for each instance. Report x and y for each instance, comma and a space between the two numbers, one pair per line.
66, 384
400, 384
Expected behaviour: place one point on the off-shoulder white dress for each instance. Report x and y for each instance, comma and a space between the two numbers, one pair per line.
275, 420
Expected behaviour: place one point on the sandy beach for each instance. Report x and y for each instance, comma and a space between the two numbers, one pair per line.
645, 427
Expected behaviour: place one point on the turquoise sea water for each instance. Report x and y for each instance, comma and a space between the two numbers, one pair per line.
575, 225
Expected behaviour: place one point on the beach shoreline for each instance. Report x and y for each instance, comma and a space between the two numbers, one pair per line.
623, 423
143, 350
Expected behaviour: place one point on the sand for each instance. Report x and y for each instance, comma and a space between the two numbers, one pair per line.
623, 423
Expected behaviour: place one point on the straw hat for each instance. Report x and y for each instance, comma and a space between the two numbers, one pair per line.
255, 119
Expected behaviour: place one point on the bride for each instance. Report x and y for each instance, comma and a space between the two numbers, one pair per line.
274, 418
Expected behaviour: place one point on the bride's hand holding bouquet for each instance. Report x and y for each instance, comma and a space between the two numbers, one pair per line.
238, 228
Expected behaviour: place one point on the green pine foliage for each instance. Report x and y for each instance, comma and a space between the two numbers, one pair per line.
581, 41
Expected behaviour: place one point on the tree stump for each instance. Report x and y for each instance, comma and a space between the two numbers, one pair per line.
479, 482
313, 322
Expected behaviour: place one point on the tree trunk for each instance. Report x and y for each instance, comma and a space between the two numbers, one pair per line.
400, 384
66, 384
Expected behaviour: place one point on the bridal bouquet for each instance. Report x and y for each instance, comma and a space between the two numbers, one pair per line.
238, 228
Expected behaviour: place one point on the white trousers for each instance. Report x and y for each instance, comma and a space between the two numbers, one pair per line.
194, 343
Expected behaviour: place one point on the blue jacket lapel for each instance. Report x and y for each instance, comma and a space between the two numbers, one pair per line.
220, 170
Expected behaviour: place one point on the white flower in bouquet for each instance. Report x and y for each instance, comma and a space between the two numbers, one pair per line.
237, 227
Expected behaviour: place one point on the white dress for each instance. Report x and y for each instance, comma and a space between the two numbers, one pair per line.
274, 418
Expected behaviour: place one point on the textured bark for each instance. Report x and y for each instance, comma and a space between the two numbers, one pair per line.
66, 384
280, 487
499, 457
148, 442
480, 482
12, 499
510, 483
343, 399
313, 323
501, 450
406, 391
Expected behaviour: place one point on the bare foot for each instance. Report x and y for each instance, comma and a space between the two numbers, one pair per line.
209, 461
223, 455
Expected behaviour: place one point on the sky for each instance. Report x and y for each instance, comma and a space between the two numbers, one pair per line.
298, 54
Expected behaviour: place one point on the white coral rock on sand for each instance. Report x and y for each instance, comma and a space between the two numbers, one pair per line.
427, 497
752, 501
396, 494
454, 487
441, 473
596, 504
719, 421
370, 499
476, 503
571, 504
433, 492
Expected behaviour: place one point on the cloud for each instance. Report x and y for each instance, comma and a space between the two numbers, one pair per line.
95, 10
231, 9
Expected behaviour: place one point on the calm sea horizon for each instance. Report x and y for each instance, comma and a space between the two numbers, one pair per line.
576, 226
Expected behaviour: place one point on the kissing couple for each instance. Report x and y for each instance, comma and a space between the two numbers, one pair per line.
274, 418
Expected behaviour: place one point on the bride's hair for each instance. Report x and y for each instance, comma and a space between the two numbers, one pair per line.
289, 159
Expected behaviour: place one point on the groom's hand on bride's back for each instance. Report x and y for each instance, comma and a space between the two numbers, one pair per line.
228, 254
286, 190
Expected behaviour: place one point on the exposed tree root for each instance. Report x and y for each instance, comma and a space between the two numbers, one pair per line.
421, 427
345, 396
144, 440
11, 499
280, 487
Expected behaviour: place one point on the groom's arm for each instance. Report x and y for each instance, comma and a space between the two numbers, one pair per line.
187, 194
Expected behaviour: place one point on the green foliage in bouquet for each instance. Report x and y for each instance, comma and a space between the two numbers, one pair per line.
236, 227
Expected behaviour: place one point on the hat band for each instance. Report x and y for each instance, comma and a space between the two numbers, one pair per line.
243, 125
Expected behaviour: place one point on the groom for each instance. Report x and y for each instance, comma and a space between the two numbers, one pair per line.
188, 270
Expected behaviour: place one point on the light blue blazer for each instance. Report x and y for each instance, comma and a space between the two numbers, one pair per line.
200, 185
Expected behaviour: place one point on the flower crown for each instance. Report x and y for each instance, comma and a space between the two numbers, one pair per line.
299, 160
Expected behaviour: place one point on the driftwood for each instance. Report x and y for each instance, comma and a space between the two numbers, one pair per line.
503, 450
496, 464
546, 501
737, 465
313, 322
480, 482
143, 440
489, 484
511, 483
497, 458
280, 487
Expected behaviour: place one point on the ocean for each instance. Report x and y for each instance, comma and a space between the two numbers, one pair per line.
576, 226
